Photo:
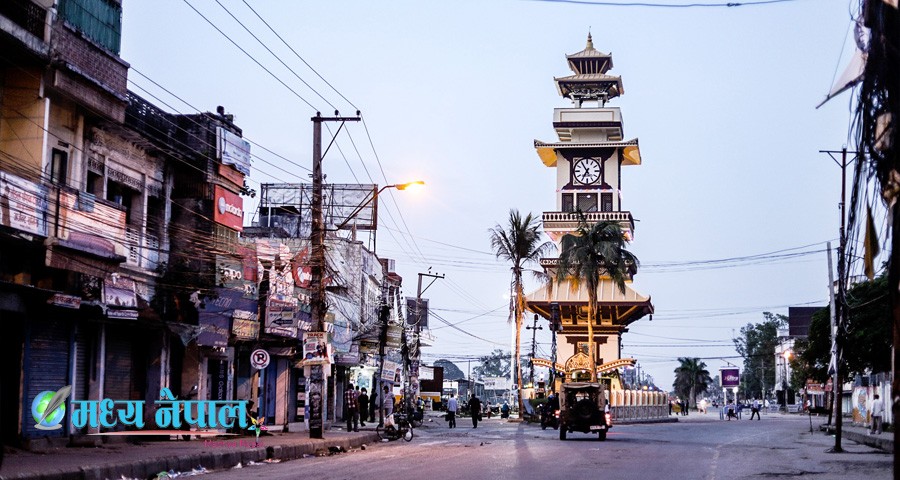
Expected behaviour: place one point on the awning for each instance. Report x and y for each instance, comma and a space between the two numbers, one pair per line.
623, 308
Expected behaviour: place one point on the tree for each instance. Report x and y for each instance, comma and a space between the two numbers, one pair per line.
496, 364
867, 342
589, 253
756, 344
691, 379
451, 371
520, 244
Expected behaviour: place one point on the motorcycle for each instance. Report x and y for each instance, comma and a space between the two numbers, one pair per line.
549, 418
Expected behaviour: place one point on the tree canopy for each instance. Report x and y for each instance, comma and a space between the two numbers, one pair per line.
451, 371
691, 379
756, 344
496, 364
867, 337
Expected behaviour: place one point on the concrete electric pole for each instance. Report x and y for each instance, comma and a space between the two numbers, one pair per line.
318, 304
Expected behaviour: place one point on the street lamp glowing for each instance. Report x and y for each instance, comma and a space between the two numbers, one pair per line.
787, 354
404, 186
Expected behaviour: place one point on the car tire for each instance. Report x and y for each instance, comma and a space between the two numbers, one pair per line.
562, 433
602, 436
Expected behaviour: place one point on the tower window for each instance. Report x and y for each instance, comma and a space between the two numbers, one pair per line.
568, 202
606, 202
587, 202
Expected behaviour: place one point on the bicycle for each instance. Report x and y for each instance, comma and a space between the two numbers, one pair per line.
400, 429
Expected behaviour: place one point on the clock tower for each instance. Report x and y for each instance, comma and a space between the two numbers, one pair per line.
588, 158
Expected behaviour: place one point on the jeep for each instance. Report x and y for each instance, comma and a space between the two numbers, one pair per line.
583, 408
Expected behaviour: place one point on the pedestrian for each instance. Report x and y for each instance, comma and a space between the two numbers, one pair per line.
387, 405
452, 406
670, 407
877, 415
373, 405
754, 409
475, 410
351, 403
363, 401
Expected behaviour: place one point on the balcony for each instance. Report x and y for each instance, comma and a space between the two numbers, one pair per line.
92, 226
27, 16
568, 221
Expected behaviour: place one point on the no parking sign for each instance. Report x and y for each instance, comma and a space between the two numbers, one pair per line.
259, 359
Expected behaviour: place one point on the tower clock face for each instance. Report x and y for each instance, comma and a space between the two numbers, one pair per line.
587, 171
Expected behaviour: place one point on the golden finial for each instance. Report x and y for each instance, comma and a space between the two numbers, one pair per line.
590, 42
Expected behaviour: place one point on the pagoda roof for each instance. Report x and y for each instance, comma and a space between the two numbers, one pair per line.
623, 307
631, 152
610, 85
590, 60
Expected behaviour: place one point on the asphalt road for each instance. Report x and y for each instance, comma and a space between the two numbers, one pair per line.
697, 447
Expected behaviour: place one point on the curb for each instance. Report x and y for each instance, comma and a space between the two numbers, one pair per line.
148, 468
885, 443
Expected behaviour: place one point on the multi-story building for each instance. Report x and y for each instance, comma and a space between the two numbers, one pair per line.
588, 158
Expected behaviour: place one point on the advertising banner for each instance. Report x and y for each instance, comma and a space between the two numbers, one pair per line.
496, 383
392, 371
730, 377
234, 150
118, 291
23, 204
216, 313
315, 348
228, 208
281, 316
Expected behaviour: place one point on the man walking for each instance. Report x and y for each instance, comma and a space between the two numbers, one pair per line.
452, 406
754, 409
877, 415
351, 402
475, 410
363, 401
387, 403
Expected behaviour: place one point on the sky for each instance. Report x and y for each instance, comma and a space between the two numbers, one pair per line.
454, 93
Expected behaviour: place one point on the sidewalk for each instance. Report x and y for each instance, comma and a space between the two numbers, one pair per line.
147, 459
860, 435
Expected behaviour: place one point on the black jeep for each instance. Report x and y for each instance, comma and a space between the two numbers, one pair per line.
582, 408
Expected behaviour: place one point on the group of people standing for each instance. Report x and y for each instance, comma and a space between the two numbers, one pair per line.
362, 408
474, 408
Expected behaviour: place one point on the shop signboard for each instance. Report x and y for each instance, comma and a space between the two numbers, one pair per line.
496, 383
65, 301
229, 272
215, 316
281, 316
228, 208
23, 204
243, 327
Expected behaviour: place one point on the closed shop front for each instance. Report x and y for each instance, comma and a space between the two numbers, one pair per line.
46, 365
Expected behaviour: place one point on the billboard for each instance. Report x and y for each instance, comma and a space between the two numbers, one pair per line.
228, 209
234, 150
730, 377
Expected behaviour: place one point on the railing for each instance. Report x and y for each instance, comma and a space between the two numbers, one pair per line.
637, 405
142, 252
26, 14
591, 217
149, 120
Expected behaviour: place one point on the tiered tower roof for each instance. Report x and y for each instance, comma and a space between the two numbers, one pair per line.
590, 80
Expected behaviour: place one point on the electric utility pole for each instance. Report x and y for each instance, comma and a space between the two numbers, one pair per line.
417, 354
534, 330
840, 302
318, 305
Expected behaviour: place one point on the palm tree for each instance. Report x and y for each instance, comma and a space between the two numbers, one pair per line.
520, 244
587, 254
691, 378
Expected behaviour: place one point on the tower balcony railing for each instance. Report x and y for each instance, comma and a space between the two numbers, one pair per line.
569, 220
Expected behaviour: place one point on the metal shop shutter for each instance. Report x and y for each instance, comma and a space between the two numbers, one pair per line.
118, 372
47, 367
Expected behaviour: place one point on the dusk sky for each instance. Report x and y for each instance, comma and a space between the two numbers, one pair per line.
454, 93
